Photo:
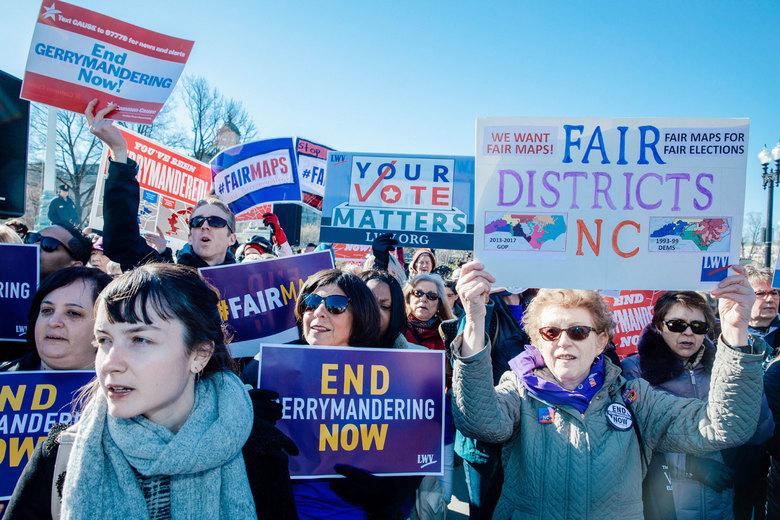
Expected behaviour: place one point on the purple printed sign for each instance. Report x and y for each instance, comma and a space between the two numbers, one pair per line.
18, 283
31, 403
258, 298
380, 410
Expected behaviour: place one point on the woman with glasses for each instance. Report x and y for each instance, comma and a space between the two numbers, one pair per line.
577, 436
675, 354
336, 308
61, 320
426, 307
60, 246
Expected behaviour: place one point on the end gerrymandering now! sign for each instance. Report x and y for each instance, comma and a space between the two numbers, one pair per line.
18, 283
258, 298
425, 200
380, 410
255, 173
170, 185
609, 203
31, 403
632, 312
77, 55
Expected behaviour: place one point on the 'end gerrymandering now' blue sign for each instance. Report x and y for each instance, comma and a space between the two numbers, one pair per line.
380, 410
256, 173
258, 298
31, 403
18, 283
425, 200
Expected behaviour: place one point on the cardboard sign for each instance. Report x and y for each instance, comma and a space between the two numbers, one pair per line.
77, 55
19, 268
632, 311
31, 403
258, 298
170, 184
255, 173
609, 203
358, 406
312, 163
425, 200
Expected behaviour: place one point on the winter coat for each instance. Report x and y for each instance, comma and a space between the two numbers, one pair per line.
510, 340
30, 361
772, 389
268, 475
63, 211
578, 466
122, 240
772, 338
663, 369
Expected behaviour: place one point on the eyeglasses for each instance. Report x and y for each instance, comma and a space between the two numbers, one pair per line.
772, 294
213, 221
432, 296
575, 332
48, 244
678, 325
334, 304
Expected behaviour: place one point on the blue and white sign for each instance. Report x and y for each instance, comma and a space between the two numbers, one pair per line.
18, 283
426, 200
256, 173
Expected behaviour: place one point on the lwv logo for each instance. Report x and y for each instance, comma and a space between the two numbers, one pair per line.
714, 268
425, 459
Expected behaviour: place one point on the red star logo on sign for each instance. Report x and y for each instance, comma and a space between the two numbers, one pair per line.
390, 194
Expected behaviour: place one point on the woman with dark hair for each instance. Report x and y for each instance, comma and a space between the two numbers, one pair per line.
336, 308
61, 322
392, 308
163, 426
676, 354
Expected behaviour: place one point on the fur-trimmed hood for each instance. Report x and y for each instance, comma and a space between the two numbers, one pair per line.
660, 364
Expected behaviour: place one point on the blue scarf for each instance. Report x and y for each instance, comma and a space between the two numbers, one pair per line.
524, 365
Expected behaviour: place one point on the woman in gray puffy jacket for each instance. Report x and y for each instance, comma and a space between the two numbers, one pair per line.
675, 354
577, 436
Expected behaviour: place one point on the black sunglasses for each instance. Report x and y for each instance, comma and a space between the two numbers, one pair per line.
432, 296
678, 325
575, 332
48, 244
334, 304
213, 221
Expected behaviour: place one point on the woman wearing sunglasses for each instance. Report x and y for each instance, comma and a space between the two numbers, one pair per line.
577, 436
675, 354
427, 307
336, 308
167, 430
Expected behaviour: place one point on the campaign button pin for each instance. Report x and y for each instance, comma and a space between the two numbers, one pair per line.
546, 415
619, 417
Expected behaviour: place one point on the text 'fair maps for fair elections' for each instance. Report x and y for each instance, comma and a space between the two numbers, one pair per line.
425, 200
255, 173
78, 55
610, 203
170, 185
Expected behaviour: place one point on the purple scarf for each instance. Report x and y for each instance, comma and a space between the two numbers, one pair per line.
524, 365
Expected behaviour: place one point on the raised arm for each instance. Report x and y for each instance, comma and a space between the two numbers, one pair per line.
729, 416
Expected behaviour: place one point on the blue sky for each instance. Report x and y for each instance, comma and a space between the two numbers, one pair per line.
411, 77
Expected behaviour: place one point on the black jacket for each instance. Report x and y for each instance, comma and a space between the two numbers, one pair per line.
30, 361
63, 211
266, 467
122, 240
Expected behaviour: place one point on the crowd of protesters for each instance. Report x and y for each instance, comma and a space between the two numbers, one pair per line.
544, 417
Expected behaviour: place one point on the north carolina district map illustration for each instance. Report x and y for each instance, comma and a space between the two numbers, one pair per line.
689, 234
525, 232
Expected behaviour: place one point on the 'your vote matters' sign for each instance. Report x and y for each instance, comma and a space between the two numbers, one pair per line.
380, 410
424, 199
609, 203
